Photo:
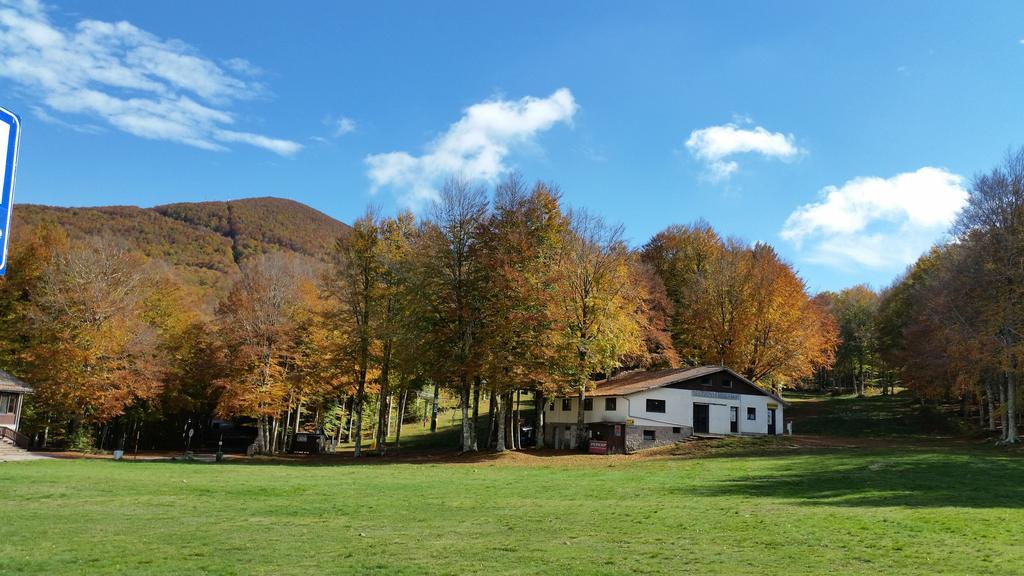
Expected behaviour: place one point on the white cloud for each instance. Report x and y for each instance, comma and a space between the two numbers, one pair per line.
475, 147
133, 80
883, 223
715, 145
344, 126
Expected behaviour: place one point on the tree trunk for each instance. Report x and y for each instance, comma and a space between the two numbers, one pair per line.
337, 439
1011, 407
288, 418
499, 443
467, 431
476, 412
274, 440
380, 430
349, 401
538, 419
491, 423
401, 417
991, 404
581, 433
357, 407
392, 406
433, 410
1003, 406
506, 402
517, 429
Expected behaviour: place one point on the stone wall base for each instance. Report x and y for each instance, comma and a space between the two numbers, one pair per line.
663, 436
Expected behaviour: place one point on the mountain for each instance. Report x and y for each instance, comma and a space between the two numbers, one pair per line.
206, 241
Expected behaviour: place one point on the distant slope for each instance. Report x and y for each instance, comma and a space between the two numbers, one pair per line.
205, 240
260, 225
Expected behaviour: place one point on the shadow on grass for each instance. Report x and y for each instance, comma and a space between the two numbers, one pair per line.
873, 416
887, 478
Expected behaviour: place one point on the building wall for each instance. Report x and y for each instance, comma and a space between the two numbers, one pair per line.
663, 435
678, 410
598, 414
10, 420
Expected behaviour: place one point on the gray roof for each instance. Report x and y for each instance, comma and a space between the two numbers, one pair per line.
9, 383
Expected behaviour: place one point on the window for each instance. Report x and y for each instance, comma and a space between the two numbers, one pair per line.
551, 406
727, 383
648, 434
751, 413
655, 405
8, 403
705, 381
588, 404
677, 430
565, 405
609, 404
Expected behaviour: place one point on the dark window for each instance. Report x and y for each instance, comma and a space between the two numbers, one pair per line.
8, 403
706, 381
727, 383
565, 405
648, 434
751, 413
609, 404
677, 430
588, 404
655, 405
551, 406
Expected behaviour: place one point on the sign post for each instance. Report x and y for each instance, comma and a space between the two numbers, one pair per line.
10, 136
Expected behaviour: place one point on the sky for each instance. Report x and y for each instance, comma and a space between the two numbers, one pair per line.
845, 134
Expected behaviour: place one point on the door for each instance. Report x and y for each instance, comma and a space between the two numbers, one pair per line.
771, 421
701, 418
734, 419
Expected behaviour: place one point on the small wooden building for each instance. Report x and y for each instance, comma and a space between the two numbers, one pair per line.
12, 399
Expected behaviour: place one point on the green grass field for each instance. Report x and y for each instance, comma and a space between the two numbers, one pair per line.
874, 511
739, 506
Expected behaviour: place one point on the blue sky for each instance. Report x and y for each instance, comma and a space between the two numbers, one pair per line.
845, 134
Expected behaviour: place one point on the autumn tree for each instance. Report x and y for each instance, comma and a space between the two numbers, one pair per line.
451, 273
855, 311
597, 310
395, 326
257, 328
354, 280
739, 306
93, 354
993, 221
520, 247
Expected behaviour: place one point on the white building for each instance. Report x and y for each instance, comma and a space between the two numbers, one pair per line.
643, 409
12, 397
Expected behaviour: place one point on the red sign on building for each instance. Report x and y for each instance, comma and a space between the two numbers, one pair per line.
598, 447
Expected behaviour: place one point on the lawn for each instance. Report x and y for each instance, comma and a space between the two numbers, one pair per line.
754, 506
876, 416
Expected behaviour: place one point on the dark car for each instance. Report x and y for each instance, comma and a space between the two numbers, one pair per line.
308, 442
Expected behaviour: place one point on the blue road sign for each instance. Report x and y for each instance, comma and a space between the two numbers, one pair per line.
10, 134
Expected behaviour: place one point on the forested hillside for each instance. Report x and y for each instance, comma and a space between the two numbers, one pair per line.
261, 225
135, 323
204, 241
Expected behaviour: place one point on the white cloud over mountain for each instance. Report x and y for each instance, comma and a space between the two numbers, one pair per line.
883, 223
129, 78
716, 146
475, 147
